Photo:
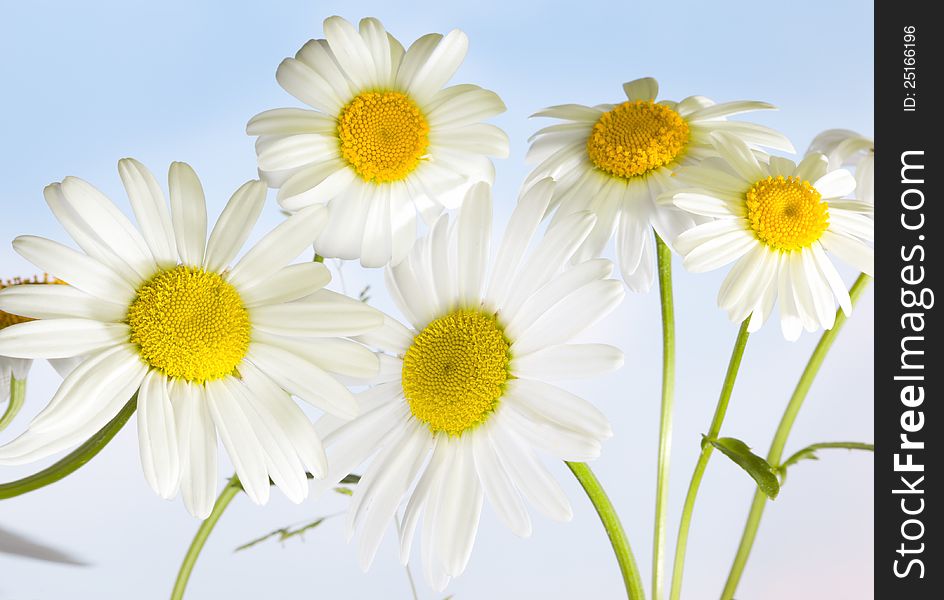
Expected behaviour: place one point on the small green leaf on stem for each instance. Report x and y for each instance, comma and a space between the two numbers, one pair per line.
283, 534
758, 468
809, 453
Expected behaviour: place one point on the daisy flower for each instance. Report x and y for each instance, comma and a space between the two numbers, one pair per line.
17, 369
847, 148
386, 140
777, 220
617, 159
209, 346
464, 401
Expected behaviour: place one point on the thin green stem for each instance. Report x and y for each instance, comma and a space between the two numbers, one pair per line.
17, 398
783, 432
664, 255
721, 409
614, 529
74, 460
226, 496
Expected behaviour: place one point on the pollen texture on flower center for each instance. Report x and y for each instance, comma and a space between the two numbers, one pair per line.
383, 135
637, 137
786, 213
190, 323
455, 371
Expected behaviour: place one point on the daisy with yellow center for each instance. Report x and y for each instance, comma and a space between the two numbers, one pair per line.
615, 160
385, 140
846, 148
776, 220
463, 401
211, 345
13, 371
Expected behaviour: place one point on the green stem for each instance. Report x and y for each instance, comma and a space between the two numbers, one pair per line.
74, 460
730, 377
664, 255
614, 529
17, 398
229, 492
783, 432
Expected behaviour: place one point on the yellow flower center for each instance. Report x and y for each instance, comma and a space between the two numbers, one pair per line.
7, 319
383, 135
190, 323
637, 137
786, 213
455, 370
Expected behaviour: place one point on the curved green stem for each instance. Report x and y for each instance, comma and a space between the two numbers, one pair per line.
664, 255
199, 540
74, 460
614, 529
17, 398
783, 432
721, 409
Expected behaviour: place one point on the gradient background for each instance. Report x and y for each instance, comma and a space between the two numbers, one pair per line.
85, 86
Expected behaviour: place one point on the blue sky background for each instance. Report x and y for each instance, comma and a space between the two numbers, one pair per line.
86, 85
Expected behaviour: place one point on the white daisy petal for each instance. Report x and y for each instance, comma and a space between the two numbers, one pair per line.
277, 247
575, 313
378, 45
849, 250
553, 292
44, 301
304, 379
500, 490
533, 480
188, 213
428, 482
301, 81
524, 221
350, 51
78, 270
439, 66
547, 436
316, 319
380, 490
457, 518
474, 230
727, 109
738, 155
835, 184
288, 121
150, 210
318, 55
199, 475
157, 436
561, 407
719, 251
234, 225
645, 88
791, 323
567, 361
377, 245
60, 338
240, 440
286, 418
833, 280
109, 225
461, 105
288, 284
812, 167
281, 460
113, 372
